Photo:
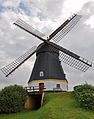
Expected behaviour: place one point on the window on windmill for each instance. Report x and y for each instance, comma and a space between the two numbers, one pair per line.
41, 73
58, 85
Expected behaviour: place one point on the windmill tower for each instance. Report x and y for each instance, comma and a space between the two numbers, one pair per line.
47, 73
47, 70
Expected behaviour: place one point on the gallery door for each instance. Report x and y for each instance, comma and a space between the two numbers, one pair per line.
41, 87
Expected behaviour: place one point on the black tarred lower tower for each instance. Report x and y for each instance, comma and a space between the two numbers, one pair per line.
47, 65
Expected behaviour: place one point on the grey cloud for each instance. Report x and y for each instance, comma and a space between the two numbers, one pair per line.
88, 8
53, 8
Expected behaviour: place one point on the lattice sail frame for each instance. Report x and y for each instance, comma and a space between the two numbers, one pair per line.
19, 61
81, 65
65, 28
23, 25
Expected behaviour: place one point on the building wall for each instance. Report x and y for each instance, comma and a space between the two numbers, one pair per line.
50, 85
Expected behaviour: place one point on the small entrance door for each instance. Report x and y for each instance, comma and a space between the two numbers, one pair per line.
41, 87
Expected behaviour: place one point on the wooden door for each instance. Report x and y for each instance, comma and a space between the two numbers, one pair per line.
41, 87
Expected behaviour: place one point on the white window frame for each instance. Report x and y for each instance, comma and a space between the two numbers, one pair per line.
41, 73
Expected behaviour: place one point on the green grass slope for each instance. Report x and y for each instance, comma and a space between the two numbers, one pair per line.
56, 106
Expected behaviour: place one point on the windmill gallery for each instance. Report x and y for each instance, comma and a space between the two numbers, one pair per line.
47, 74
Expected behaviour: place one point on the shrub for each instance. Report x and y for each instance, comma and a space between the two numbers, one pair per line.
12, 99
85, 96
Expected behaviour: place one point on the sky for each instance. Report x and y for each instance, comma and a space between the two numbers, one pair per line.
46, 16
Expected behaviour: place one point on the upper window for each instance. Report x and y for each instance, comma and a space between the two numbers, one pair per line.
41, 73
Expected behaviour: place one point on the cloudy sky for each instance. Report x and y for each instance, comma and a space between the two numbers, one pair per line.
46, 16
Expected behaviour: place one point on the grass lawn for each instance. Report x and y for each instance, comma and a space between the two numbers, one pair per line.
56, 106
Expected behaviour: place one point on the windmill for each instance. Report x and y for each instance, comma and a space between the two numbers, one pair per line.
47, 70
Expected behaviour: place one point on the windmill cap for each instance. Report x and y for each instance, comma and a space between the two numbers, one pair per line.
47, 48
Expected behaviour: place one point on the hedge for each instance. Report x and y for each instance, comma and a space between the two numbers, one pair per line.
85, 96
12, 99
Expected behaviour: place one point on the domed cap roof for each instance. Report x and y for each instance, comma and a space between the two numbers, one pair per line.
47, 48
